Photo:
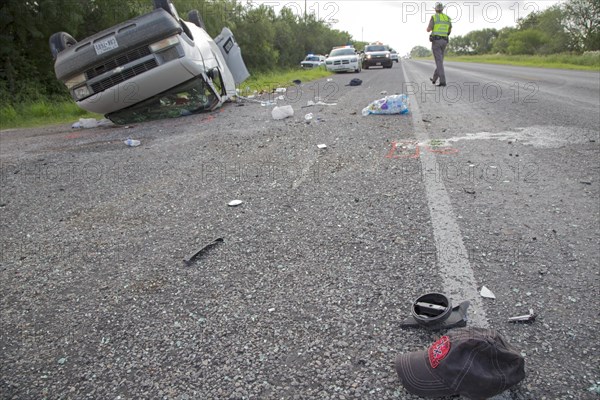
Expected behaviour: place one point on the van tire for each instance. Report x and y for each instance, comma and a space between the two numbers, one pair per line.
59, 42
194, 16
167, 6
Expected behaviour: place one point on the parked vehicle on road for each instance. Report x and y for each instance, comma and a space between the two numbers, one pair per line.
343, 59
394, 56
153, 66
376, 54
312, 61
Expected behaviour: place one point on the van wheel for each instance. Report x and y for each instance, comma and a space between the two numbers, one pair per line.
167, 6
59, 42
194, 16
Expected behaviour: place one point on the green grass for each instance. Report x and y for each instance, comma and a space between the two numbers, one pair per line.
49, 112
41, 113
586, 62
267, 82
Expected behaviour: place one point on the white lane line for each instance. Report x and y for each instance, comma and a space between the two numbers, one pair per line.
455, 268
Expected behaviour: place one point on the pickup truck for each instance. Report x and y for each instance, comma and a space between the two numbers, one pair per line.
153, 66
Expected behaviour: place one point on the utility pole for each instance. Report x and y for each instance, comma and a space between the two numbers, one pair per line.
305, 10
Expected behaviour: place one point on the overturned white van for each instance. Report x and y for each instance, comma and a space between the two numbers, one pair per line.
150, 67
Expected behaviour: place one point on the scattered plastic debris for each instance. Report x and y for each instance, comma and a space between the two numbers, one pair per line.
310, 103
524, 318
281, 98
282, 112
194, 257
384, 92
297, 81
234, 203
280, 90
267, 103
329, 79
394, 104
88, 123
308, 116
487, 293
132, 142
61, 361
322, 146
434, 311
322, 103
355, 82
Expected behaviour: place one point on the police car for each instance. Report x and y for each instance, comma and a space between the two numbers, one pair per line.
312, 61
377, 54
343, 59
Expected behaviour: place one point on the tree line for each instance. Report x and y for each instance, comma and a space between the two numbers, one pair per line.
268, 39
573, 26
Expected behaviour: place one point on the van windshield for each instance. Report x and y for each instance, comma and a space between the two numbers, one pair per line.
188, 98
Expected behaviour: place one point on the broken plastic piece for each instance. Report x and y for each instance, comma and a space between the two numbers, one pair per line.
234, 203
194, 257
487, 293
280, 90
308, 116
132, 142
322, 146
524, 318
434, 311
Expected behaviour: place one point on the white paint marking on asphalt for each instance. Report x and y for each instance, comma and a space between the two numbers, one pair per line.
455, 268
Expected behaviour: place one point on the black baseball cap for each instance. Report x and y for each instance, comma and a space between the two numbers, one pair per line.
473, 362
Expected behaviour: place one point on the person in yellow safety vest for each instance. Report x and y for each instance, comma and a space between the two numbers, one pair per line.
440, 27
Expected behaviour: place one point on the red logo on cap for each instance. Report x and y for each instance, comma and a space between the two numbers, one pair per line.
438, 351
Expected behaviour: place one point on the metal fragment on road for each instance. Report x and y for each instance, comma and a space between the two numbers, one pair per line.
524, 318
234, 203
487, 293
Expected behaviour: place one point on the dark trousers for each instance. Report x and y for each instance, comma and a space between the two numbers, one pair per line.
438, 47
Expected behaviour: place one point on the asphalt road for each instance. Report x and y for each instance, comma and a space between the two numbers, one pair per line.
320, 263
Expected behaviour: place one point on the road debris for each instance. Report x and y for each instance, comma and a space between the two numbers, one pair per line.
394, 104
355, 82
308, 116
280, 90
88, 123
322, 146
196, 256
524, 318
282, 112
132, 142
234, 203
434, 311
297, 81
487, 293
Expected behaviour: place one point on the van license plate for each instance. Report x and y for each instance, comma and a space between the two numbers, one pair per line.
378, 63
104, 45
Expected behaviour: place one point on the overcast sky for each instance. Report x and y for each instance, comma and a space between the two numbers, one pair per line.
402, 24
